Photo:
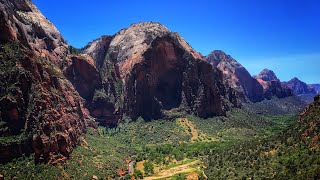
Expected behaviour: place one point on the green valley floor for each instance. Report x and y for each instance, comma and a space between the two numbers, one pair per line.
242, 145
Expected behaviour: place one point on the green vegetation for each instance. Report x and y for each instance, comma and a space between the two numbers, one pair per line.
148, 168
243, 144
138, 174
73, 50
14, 139
276, 106
11, 81
179, 177
281, 155
100, 96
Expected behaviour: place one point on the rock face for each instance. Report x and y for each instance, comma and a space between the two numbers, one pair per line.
298, 87
237, 76
149, 71
316, 87
82, 72
272, 85
98, 48
40, 111
22, 22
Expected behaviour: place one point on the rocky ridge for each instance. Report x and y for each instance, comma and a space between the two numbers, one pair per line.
298, 87
272, 85
237, 76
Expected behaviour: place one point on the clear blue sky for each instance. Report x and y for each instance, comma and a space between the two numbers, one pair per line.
282, 35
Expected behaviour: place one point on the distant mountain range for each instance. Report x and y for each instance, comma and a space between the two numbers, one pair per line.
263, 86
299, 87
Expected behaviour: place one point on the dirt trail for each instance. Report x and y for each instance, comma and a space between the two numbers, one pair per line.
184, 168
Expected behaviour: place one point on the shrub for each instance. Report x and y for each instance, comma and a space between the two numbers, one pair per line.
148, 168
138, 174
100, 96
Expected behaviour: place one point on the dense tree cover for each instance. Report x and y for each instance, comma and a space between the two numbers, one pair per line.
282, 156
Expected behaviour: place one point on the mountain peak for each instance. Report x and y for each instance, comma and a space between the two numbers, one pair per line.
138, 38
236, 76
145, 28
299, 87
145, 24
272, 85
217, 56
295, 79
267, 75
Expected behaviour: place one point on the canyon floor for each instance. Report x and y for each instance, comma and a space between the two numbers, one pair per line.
244, 144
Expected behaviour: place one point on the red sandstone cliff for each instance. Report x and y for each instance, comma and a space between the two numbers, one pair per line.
40, 110
272, 85
237, 76
150, 71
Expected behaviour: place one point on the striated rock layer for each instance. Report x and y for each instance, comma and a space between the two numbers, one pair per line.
40, 111
237, 76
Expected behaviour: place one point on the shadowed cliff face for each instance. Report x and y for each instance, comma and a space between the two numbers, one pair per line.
40, 111
237, 76
166, 79
272, 85
149, 71
82, 72
155, 84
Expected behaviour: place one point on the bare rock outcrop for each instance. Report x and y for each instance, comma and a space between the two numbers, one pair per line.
97, 49
21, 21
150, 71
247, 87
272, 85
